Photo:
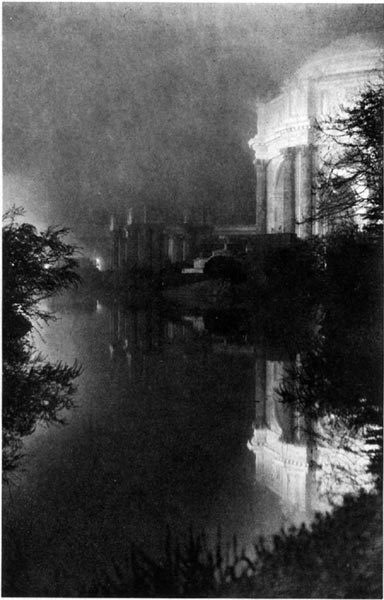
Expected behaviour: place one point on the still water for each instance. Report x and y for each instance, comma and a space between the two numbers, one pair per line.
176, 424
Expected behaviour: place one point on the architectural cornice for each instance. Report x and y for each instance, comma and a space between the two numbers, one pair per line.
332, 77
292, 134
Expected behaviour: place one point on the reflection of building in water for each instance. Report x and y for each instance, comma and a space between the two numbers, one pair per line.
197, 322
303, 474
307, 472
278, 442
135, 335
223, 340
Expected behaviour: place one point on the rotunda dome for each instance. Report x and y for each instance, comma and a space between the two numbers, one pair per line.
355, 53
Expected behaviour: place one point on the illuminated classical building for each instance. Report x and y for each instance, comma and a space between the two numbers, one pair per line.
285, 160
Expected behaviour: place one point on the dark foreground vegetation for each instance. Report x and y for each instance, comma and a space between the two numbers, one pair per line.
36, 266
339, 556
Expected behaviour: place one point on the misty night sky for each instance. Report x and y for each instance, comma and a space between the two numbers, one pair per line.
109, 105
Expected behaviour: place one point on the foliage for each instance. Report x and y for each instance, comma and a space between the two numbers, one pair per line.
348, 339
289, 288
34, 391
354, 275
351, 178
224, 267
296, 269
340, 556
35, 267
339, 370
231, 323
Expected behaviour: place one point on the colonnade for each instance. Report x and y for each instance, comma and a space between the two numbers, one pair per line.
149, 246
284, 192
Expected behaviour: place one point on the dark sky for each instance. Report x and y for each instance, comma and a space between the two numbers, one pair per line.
110, 105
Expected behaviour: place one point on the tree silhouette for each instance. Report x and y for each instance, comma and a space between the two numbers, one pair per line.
351, 149
35, 267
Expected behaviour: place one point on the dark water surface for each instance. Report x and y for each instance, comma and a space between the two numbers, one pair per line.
174, 426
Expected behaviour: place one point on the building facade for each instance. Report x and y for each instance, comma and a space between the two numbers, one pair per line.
286, 158
141, 244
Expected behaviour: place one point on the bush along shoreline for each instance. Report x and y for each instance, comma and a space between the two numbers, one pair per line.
338, 556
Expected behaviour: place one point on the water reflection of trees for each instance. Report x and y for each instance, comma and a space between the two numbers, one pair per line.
35, 392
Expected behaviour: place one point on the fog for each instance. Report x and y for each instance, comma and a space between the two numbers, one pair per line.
108, 106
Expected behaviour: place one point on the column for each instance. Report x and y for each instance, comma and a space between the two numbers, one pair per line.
289, 190
261, 195
141, 246
157, 249
304, 190
132, 247
170, 248
260, 389
115, 249
185, 249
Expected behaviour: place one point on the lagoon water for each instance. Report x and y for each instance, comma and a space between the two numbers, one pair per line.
177, 423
